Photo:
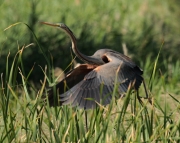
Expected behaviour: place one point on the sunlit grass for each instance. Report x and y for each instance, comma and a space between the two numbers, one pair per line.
140, 25
25, 118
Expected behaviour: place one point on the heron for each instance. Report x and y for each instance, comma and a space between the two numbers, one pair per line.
92, 83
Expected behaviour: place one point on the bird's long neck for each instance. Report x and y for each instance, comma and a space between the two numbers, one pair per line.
75, 49
84, 58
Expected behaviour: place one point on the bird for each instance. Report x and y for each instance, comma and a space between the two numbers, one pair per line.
92, 83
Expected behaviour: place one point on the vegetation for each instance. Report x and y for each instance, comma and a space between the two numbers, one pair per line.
148, 31
141, 26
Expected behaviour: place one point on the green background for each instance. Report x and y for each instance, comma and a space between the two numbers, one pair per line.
141, 26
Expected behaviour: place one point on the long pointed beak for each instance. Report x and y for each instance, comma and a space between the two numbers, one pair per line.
50, 24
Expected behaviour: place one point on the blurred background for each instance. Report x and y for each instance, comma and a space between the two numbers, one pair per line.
135, 28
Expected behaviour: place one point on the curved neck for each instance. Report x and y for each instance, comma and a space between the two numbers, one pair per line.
84, 58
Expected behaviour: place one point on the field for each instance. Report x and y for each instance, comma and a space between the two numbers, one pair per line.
146, 31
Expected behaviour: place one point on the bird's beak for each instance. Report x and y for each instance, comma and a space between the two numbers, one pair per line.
50, 24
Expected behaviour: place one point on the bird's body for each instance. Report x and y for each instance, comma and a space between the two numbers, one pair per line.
93, 83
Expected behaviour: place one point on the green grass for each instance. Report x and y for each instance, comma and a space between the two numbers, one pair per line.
24, 118
139, 25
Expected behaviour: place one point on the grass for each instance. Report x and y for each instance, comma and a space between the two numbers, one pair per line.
140, 26
24, 118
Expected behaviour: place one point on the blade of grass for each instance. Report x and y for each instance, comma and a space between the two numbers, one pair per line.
154, 69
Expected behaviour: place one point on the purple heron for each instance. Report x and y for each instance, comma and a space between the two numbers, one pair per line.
93, 82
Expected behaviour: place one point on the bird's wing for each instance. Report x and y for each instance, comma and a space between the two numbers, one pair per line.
125, 66
97, 86
71, 79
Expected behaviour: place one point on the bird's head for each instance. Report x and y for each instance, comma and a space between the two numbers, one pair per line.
59, 25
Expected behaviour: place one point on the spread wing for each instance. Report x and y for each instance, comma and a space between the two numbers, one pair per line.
71, 79
96, 84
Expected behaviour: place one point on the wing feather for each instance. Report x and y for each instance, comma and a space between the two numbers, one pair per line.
96, 83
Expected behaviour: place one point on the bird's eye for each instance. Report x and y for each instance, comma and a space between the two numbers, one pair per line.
105, 59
